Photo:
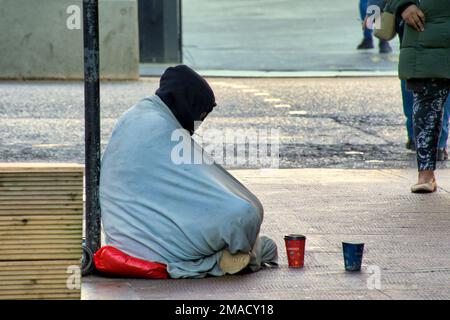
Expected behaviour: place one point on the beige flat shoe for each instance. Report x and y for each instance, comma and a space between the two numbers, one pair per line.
428, 187
233, 263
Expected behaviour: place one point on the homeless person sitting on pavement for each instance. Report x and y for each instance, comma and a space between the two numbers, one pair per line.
196, 219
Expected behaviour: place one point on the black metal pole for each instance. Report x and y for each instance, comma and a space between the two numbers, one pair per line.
92, 122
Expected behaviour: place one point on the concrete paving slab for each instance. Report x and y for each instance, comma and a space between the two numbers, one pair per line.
252, 37
406, 236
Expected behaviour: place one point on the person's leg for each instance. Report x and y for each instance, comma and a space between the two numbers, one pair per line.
428, 116
362, 14
264, 252
408, 101
367, 42
442, 150
384, 46
444, 133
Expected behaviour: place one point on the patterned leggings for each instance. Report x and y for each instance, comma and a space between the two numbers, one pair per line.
429, 100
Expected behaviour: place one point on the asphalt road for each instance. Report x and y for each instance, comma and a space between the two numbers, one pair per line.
330, 123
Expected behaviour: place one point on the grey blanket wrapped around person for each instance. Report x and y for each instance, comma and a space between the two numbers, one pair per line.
195, 218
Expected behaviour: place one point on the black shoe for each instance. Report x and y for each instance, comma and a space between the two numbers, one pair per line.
366, 43
410, 145
442, 155
385, 47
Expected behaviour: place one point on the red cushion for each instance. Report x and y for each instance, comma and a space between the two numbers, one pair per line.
112, 261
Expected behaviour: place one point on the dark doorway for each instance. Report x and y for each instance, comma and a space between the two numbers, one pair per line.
160, 35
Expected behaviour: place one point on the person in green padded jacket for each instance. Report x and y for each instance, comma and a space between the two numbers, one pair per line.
425, 65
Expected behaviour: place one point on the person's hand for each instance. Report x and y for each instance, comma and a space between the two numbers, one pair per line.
414, 17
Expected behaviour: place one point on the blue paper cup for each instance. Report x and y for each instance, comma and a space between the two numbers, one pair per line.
353, 255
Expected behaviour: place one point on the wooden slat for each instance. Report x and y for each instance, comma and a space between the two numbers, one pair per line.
37, 271
38, 217
9, 276
39, 249
48, 195
24, 198
33, 277
28, 193
40, 257
36, 249
20, 241
41, 173
26, 282
30, 274
38, 264
42, 195
40, 292
41, 246
47, 180
39, 188
23, 174
74, 214
69, 198
70, 232
38, 212
24, 222
54, 184
43, 225
60, 281
41, 167
23, 241
43, 296
37, 256
39, 202
40, 220
42, 205
28, 218
38, 238
4, 252
37, 172
39, 225
31, 223
71, 218
5, 287
27, 272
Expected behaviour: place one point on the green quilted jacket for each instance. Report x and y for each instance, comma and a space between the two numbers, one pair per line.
425, 54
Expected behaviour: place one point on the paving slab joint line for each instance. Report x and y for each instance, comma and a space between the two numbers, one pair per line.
443, 189
392, 173
385, 294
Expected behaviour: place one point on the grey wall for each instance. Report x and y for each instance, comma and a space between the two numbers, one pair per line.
35, 42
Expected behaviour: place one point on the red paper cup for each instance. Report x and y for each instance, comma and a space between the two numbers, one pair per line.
295, 248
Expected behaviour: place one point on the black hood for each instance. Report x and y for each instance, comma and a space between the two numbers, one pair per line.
187, 94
